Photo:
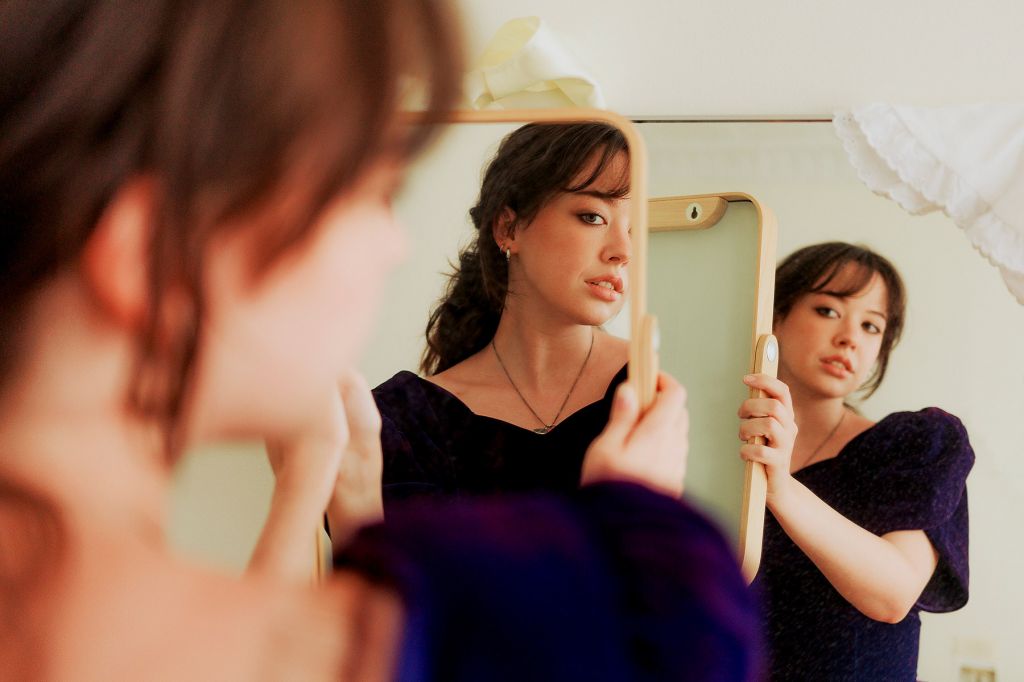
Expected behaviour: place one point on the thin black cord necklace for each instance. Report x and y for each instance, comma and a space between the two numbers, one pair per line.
546, 427
810, 460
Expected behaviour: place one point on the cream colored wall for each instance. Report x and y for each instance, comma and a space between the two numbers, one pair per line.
799, 57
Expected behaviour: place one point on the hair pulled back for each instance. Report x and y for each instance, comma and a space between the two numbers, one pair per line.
533, 164
813, 268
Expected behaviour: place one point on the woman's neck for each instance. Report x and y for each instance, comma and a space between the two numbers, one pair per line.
542, 353
817, 419
64, 425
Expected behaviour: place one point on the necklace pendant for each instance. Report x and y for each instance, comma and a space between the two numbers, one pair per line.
542, 430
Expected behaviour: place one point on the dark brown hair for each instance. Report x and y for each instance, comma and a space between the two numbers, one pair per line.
812, 269
238, 109
532, 165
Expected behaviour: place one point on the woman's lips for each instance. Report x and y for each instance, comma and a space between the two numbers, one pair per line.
604, 291
837, 367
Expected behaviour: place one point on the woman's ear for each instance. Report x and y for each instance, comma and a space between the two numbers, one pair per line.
505, 229
115, 261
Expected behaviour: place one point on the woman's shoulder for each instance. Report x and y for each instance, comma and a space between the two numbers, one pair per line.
926, 437
398, 386
930, 423
407, 392
409, 403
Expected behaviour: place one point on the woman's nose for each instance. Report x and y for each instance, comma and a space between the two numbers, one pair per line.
619, 246
846, 335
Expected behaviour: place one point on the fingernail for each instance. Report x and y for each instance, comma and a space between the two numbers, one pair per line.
750, 378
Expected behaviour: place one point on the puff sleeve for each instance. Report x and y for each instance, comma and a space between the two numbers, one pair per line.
919, 482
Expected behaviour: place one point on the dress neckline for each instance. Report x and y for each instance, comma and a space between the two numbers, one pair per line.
846, 447
452, 398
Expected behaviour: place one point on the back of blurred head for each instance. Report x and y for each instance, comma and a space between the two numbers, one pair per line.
233, 109
241, 116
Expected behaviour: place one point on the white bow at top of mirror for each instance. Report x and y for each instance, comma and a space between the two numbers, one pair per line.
960, 348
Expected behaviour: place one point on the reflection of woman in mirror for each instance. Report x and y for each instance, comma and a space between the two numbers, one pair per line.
868, 522
519, 374
189, 193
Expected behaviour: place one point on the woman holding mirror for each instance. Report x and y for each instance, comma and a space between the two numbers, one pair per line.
519, 373
190, 192
868, 522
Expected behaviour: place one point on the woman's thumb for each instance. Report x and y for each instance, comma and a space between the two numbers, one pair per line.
624, 413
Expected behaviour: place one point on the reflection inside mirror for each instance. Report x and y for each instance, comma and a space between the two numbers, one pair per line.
958, 349
868, 521
517, 372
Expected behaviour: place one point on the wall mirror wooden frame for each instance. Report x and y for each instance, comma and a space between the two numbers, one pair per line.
642, 368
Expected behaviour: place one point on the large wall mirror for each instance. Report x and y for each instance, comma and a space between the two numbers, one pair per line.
960, 349
709, 303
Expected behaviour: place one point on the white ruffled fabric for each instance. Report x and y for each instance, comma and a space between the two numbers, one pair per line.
967, 161
526, 67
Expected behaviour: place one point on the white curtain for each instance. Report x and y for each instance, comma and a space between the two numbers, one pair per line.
967, 161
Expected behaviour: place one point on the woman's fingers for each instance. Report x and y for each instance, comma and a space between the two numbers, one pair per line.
669, 405
623, 417
361, 413
762, 454
773, 388
763, 407
650, 448
764, 427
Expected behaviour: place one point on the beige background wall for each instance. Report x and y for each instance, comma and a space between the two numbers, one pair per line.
673, 58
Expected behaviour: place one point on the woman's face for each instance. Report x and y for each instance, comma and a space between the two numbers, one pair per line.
570, 261
829, 345
275, 349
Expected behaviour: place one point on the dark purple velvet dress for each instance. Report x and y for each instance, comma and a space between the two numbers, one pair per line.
435, 445
609, 582
907, 472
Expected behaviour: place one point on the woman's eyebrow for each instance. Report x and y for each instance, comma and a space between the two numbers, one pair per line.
843, 297
606, 196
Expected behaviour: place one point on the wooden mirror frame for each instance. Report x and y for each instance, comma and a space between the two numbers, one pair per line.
643, 368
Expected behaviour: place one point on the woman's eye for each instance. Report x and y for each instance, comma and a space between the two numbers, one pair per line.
872, 328
592, 218
825, 311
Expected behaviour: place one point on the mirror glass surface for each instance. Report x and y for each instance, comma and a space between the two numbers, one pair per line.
701, 287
